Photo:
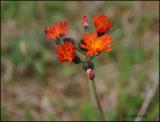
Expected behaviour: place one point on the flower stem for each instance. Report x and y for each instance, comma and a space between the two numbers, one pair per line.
80, 55
93, 92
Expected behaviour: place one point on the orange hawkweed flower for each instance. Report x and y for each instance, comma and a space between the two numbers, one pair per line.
56, 30
66, 52
95, 44
102, 23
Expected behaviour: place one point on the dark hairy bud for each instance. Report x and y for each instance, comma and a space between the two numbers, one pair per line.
88, 65
100, 34
81, 42
69, 40
77, 60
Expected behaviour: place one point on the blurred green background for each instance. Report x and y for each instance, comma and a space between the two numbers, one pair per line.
35, 86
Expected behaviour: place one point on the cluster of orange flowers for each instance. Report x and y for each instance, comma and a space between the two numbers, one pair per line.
93, 43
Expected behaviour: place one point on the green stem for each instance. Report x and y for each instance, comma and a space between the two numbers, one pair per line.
80, 55
93, 93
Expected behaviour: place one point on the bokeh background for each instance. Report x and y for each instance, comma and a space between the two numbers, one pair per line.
35, 86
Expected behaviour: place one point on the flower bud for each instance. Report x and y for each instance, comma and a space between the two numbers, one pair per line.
85, 21
69, 40
100, 34
90, 74
80, 43
86, 24
77, 60
88, 65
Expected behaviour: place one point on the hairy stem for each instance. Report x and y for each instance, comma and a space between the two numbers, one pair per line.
93, 93
80, 55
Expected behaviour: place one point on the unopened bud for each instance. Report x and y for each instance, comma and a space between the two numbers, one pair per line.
77, 60
85, 21
80, 43
69, 40
88, 65
90, 74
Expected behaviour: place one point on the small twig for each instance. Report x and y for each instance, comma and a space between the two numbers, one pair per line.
147, 100
93, 92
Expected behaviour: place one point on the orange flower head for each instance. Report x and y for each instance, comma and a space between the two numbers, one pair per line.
95, 44
66, 52
102, 23
56, 30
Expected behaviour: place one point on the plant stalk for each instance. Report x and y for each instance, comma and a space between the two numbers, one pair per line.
93, 92
80, 55
92, 85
